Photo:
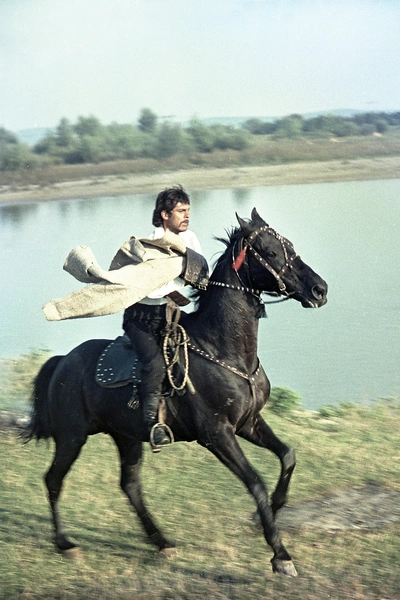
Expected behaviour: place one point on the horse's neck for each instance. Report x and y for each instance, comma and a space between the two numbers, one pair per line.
228, 320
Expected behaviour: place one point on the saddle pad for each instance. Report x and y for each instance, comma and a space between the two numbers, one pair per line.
118, 364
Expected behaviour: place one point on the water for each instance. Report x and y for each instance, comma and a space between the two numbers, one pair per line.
347, 232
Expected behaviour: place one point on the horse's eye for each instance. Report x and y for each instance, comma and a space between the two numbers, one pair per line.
271, 254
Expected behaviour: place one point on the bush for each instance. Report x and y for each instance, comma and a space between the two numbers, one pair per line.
16, 156
289, 127
283, 401
202, 136
226, 137
147, 120
90, 148
17, 376
330, 411
7, 137
367, 129
381, 125
256, 126
169, 140
345, 129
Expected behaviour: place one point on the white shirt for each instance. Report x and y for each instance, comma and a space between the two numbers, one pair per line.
157, 297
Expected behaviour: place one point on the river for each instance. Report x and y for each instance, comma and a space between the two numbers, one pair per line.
347, 232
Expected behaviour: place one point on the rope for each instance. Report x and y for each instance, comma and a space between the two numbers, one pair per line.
175, 338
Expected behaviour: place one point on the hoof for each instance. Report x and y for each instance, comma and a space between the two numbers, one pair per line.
284, 567
168, 552
72, 553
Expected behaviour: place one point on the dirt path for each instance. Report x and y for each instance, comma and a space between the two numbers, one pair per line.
208, 178
369, 507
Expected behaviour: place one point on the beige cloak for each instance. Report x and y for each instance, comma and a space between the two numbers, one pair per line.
139, 268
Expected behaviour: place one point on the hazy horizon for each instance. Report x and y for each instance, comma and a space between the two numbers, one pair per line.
223, 118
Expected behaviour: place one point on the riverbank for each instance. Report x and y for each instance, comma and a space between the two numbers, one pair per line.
206, 178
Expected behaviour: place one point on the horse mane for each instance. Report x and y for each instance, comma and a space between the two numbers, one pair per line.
234, 234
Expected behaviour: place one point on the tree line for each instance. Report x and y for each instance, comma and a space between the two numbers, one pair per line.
89, 141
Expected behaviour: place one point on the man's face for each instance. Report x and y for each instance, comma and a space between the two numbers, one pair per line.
178, 219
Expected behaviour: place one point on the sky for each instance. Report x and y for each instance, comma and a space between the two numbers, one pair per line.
195, 58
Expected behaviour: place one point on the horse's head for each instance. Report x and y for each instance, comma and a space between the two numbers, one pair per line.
266, 261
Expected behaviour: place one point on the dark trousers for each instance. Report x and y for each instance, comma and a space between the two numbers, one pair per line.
144, 325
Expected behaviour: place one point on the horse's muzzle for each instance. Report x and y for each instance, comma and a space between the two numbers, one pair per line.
316, 299
319, 292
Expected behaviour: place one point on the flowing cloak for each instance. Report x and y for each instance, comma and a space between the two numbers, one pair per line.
139, 268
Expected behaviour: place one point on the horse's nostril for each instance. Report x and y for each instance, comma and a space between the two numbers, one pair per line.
318, 292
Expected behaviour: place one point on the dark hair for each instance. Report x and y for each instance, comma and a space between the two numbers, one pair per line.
167, 200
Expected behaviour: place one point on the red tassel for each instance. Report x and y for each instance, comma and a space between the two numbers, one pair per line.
237, 263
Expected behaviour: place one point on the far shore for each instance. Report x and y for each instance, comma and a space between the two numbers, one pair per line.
197, 179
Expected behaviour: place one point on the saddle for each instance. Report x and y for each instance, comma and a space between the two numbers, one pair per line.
118, 364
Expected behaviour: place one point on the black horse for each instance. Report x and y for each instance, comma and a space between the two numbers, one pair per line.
229, 385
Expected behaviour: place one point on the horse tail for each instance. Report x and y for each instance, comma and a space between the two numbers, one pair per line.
39, 426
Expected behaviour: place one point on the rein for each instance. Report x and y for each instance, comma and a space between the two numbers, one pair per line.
242, 288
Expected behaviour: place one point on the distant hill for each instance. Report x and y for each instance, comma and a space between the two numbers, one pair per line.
338, 112
229, 121
238, 121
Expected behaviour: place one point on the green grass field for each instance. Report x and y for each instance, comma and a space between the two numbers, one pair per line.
221, 554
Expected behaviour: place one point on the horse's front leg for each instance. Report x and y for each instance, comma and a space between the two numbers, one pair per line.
131, 463
223, 444
258, 432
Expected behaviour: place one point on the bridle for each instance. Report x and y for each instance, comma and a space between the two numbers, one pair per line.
288, 259
240, 260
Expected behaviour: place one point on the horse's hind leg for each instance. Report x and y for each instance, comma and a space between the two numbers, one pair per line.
260, 433
67, 451
131, 463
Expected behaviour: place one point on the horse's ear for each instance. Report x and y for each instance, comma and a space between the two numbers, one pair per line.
244, 225
255, 217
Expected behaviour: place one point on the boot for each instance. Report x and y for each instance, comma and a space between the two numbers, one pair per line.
160, 434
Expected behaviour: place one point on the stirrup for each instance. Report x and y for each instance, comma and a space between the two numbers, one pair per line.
167, 430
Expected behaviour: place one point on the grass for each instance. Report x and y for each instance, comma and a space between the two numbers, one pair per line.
208, 512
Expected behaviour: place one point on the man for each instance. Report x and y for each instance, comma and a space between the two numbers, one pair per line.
133, 283
145, 320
